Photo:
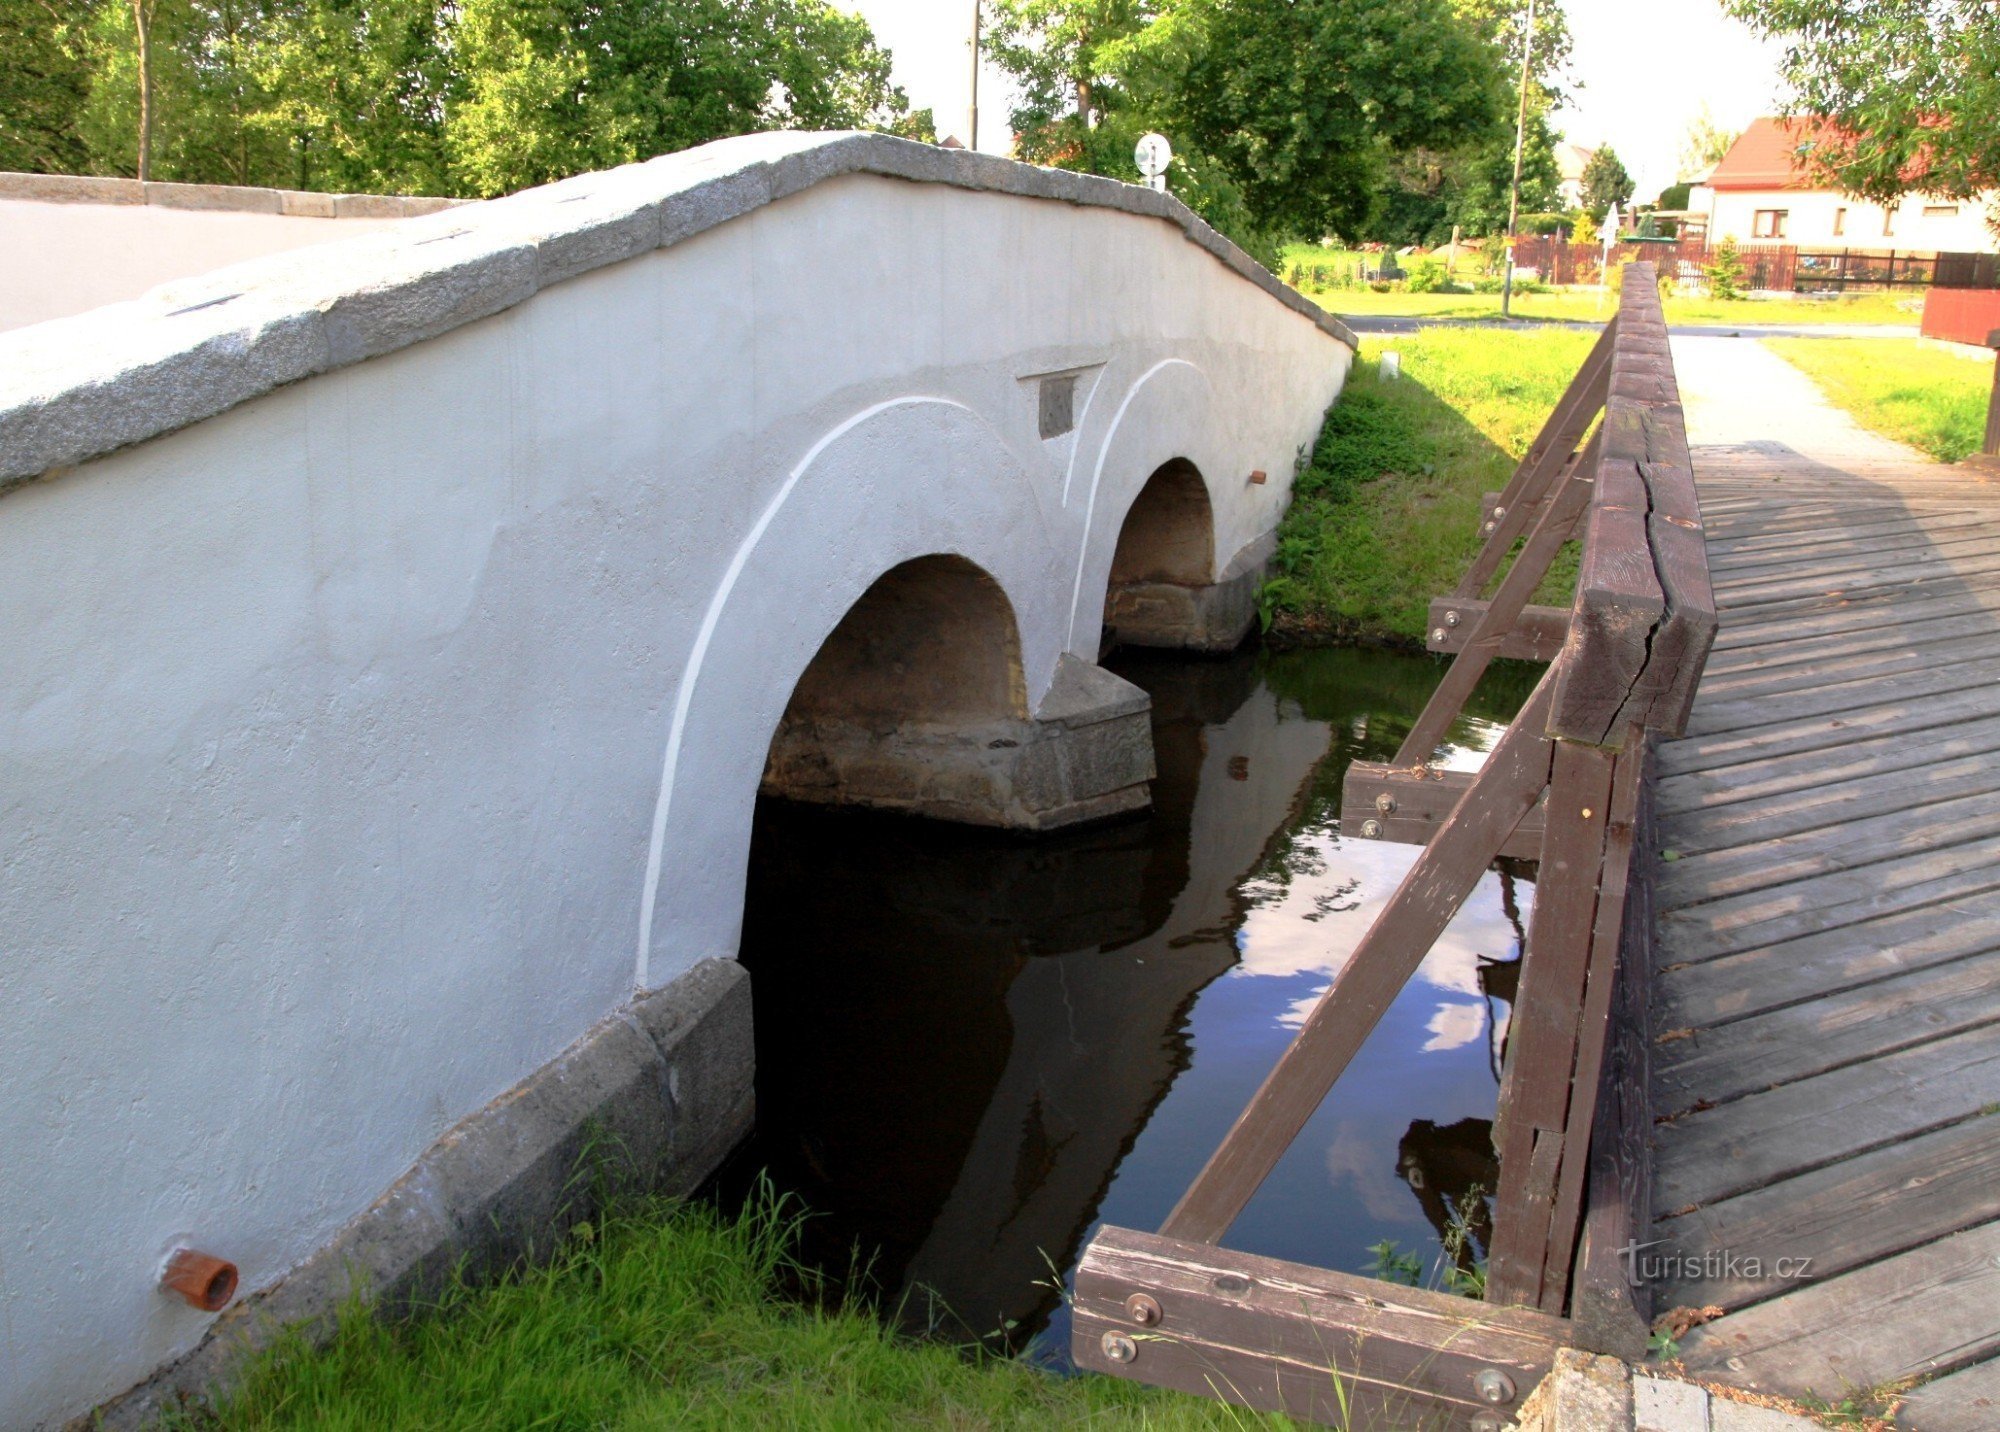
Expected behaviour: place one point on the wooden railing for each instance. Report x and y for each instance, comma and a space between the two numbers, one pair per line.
1565, 785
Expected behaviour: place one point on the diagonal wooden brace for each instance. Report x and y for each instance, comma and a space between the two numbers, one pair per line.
1508, 785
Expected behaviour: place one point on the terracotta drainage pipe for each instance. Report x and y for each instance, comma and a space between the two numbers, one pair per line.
201, 1279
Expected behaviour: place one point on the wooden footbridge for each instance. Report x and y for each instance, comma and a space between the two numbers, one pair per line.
1754, 1065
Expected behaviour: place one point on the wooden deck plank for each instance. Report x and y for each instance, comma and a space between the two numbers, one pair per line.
1774, 680
1824, 847
1712, 790
1826, 902
1865, 571
1926, 1311
1781, 1046
1848, 615
1728, 556
1747, 714
1827, 962
1938, 1183
1964, 1401
1821, 732
1897, 636
1715, 1153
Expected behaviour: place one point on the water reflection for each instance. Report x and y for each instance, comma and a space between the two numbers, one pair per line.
972, 1046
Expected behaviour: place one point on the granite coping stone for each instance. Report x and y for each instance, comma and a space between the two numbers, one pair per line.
226, 198
76, 388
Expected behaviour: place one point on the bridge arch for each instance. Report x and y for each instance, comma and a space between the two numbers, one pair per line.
951, 506
1169, 530
1178, 537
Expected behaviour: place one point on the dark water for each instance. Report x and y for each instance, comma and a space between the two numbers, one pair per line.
972, 1046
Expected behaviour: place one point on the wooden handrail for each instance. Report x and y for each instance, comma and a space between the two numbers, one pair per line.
1644, 614
1569, 773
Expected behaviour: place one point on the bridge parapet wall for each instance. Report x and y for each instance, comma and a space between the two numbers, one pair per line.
398, 630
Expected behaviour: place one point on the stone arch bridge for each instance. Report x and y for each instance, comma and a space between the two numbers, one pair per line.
399, 632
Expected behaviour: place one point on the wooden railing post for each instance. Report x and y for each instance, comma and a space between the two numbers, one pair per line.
1555, 526
1546, 457
1555, 1048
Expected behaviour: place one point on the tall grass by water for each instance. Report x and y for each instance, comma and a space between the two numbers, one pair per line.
669, 1316
1387, 514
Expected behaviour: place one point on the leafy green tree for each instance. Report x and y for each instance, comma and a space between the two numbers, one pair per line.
44, 85
1911, 88
1092, 76
1306, 103
471, 97
1468, 188
1605, 182
553, 87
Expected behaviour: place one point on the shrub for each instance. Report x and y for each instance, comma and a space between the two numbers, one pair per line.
1725, 274
1427, 276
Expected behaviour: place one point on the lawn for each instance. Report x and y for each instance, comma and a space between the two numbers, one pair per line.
1580, 304
1387, 515
670, 1316
1931, 398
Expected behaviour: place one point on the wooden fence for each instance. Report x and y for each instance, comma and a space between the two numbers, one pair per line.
1566, 783
1773, 268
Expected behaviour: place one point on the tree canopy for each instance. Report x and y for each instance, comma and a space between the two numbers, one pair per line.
1605, 182
1911, 88
1290, 116
474, 97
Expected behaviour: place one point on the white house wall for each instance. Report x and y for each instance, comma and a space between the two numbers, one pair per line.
364, 743
1810, 221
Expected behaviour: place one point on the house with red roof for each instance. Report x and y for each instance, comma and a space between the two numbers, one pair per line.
1762, 193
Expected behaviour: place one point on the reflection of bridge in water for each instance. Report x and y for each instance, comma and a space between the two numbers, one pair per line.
963, 1079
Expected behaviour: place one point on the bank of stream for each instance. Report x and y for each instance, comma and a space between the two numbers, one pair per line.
973, 1047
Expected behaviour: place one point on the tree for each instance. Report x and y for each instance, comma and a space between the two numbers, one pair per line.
44, 85
1306, 103
1468, 188
1910, 88
553, 87
468, 97
1704, 144
1605, 181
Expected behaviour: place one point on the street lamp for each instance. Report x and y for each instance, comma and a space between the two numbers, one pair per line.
1514, 191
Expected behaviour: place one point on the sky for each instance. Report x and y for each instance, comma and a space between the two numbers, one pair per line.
1645, 71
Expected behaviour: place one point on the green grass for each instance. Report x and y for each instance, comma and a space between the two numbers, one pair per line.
1586, 305
669, 1317
1387, 515
1928, 397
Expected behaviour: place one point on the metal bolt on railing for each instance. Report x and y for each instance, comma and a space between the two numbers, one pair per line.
1493, 1386
1143, 1310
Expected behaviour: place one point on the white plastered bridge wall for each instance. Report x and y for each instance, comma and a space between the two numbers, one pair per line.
396, 630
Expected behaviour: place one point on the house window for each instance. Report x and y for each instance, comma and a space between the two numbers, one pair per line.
1940, 211
1768, 223
1839, 222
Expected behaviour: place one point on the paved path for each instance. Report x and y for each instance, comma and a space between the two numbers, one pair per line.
1827, 999
1397, 323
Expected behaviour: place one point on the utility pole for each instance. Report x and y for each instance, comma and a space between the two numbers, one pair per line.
972, 112
1520, 135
